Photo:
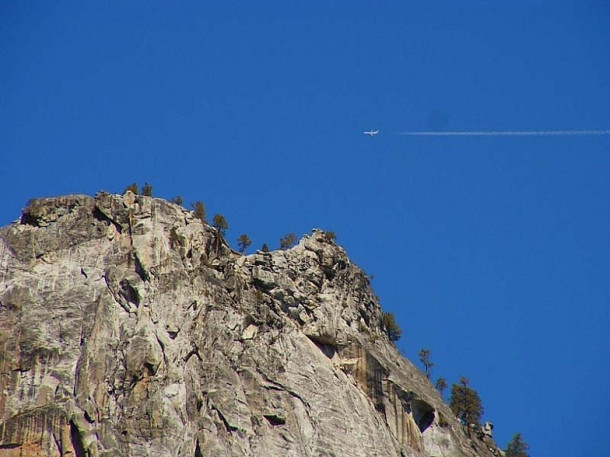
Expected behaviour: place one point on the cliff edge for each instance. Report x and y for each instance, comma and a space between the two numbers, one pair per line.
130, 328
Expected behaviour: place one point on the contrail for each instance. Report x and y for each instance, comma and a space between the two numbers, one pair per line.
511, 133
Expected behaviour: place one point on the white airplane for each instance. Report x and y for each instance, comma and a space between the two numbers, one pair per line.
371, 132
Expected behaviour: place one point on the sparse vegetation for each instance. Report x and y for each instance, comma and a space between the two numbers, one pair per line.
147, 190
260, 298
220, 223
132, 187
265, 248
199, 211
441, 385
287, 241
177, 200
424, 358
330, 235
517, 447
243, 243
390, 326
465, 402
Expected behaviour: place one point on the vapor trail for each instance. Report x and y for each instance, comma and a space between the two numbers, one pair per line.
511, 133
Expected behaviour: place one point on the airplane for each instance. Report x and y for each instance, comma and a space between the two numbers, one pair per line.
371, 132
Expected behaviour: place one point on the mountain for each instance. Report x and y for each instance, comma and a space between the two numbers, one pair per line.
128, 327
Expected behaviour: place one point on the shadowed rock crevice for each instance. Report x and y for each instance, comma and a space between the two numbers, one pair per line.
128, 292
198, 450
228, 427
140, 270
423, 414
275, 420
77, 441
327, 349
100, 216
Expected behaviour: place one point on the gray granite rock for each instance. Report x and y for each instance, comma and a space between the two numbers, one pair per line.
129, 328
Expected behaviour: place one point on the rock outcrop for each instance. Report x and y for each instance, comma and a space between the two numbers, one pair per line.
130, 328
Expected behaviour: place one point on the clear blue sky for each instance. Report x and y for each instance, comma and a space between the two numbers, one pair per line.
492, 252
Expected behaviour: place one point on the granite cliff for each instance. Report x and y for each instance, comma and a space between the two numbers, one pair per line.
130, 328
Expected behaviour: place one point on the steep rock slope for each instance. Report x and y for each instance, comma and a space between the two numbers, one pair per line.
130, 328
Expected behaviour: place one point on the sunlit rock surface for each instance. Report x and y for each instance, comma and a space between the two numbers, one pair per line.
130, 328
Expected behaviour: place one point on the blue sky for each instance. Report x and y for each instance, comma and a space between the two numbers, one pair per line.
491, 251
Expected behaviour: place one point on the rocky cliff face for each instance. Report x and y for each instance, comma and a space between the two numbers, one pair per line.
129, 328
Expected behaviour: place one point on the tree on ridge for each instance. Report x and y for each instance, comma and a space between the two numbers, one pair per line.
424, 358
287, 241
517, 447
199, 211
243, 242
465, 402
390, 326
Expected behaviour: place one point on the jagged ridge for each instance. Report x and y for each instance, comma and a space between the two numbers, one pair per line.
131, 328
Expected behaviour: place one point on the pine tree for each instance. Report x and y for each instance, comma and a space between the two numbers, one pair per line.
441, 385
177, 200
391, 327
517, 447
287, 241
243, 242
465, 402
133, 188
199, 211
424, 358
147, 190
330, 235
220, 223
